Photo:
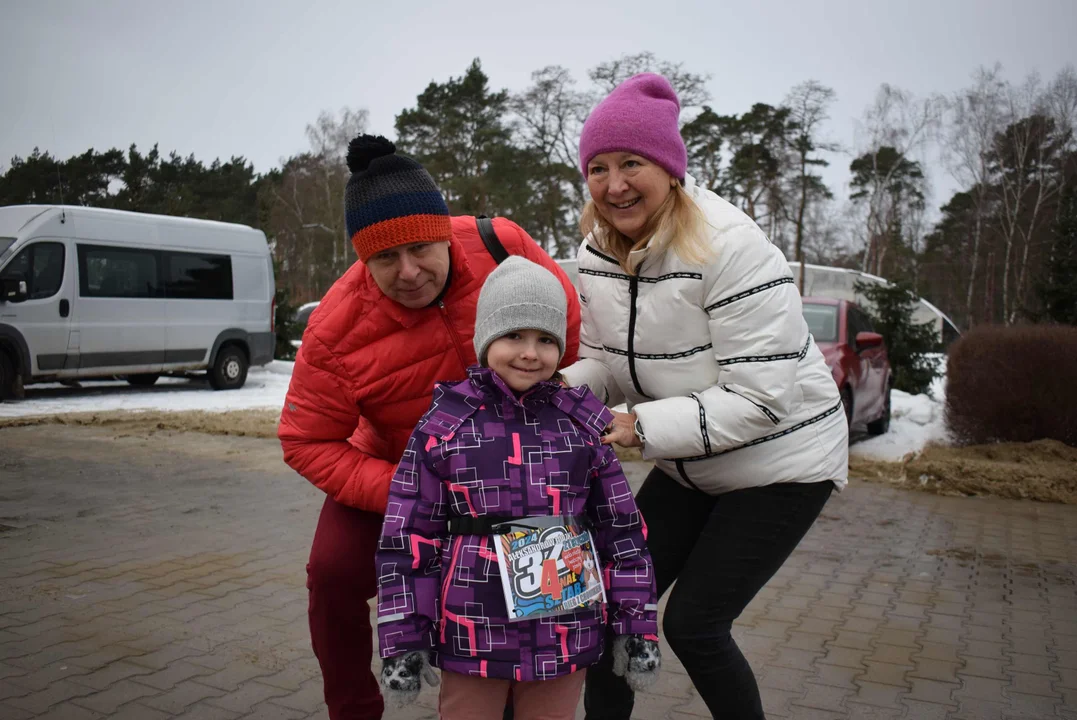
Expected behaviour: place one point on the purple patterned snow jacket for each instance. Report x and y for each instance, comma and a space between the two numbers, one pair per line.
477, 451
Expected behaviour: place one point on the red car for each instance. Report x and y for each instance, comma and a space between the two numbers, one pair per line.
857, 357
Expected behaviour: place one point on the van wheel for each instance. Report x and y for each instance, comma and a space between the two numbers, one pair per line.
7, 377
229, 371
142, 380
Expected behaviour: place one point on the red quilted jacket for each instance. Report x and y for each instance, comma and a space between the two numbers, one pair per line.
365, 373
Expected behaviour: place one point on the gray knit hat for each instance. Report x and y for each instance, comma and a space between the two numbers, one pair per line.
519, 295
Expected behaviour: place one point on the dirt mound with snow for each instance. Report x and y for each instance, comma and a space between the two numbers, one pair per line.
244, 423
1045, 470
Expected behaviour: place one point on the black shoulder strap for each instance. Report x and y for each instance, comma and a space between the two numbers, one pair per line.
490, 240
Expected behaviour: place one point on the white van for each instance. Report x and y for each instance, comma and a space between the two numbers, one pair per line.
91, 293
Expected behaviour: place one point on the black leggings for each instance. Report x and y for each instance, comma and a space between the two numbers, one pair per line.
721, 550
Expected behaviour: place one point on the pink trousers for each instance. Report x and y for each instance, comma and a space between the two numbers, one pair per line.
466, 697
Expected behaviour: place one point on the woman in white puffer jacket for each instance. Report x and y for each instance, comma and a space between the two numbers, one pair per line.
692, 317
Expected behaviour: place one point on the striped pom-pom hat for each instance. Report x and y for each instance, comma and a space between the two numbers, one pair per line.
390, 199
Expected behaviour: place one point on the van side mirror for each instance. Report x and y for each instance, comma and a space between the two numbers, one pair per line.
13, 289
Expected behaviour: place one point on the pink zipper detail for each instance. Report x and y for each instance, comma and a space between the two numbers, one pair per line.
445, 582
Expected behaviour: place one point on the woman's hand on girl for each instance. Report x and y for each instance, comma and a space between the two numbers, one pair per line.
622, 430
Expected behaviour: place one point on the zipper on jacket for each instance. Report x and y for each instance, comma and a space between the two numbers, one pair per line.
684, 475
452, 332
454, 550
633, 290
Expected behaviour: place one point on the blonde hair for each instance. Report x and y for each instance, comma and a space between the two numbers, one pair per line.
677, 225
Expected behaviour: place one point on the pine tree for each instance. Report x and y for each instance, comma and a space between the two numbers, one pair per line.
1058, 287
758, 143
891, 185
284, 322
908, 345
705, 136
80, 180
458, 132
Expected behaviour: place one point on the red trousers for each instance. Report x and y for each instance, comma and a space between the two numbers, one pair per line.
341, 579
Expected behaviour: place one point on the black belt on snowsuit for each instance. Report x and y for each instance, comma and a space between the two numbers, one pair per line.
497, 524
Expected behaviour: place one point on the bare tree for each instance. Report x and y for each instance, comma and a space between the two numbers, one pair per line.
977, 118
1026, 157
915, 227
330, 134
305, 207
826, 234
305, 249
691, 88
1062, 101
893, 129
808, 104
550, 114
854, 220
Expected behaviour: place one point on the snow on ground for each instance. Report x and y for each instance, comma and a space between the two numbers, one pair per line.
915, 421
265, 388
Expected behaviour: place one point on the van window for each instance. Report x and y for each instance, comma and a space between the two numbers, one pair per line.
41, 265
118, 272
5, 245
198, 276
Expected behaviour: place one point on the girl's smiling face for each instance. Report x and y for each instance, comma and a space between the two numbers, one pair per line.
523, 358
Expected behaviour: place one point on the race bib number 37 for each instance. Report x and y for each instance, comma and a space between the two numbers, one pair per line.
548, 571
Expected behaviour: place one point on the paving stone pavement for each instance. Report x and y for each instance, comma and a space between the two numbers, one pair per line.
161, 575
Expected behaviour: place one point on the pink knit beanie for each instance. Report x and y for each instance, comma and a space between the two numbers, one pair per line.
639, 116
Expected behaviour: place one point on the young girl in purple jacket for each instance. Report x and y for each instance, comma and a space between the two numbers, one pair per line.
509, 450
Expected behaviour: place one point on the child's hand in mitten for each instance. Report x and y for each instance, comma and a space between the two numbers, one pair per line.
637, 658
402, 676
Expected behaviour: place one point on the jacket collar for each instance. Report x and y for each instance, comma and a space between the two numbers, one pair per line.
490, 384
461, 275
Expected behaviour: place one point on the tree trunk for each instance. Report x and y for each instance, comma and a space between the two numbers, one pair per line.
1006, 280
799, 249
976, 237
1026, 237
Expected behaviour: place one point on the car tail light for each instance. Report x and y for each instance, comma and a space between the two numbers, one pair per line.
273, 316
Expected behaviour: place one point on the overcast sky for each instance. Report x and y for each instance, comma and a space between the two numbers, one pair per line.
230, 77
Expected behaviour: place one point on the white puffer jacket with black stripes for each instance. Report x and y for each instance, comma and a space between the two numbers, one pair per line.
715, 360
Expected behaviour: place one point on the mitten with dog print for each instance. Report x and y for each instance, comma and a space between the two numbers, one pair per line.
638, 659
402, 676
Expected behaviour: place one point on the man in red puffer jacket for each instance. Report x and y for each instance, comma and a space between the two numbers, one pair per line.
397, 322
